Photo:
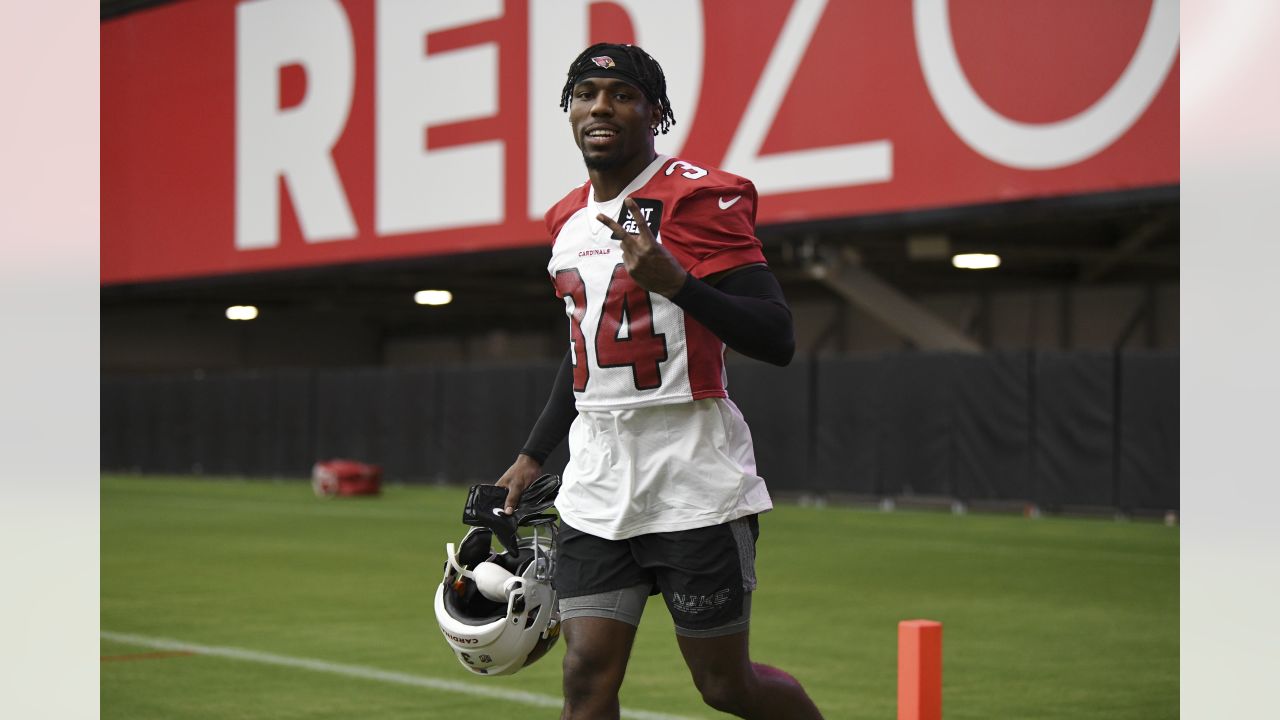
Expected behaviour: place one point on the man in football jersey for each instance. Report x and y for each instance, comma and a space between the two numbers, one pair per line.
659, 268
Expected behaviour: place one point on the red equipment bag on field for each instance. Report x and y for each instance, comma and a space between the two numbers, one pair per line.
345, 477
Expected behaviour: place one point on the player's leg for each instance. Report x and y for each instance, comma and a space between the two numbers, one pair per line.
707, 576
731, 683
595, 661
597, 618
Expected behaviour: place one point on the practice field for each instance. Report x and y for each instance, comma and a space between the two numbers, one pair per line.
231, 599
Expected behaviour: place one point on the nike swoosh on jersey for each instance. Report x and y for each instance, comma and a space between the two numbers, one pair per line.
726, 205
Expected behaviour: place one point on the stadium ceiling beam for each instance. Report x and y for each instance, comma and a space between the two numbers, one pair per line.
904, 316
1128, 248
1149, 257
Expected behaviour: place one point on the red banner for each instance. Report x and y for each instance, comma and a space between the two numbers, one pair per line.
273, 134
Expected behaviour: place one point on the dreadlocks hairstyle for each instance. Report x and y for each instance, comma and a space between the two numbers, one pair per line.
646, 70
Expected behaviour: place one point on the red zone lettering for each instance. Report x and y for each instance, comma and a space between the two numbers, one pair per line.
251, 136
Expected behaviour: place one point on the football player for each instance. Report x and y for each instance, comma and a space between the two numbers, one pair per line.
659, 268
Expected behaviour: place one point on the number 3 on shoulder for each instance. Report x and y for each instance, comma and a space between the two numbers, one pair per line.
693, 172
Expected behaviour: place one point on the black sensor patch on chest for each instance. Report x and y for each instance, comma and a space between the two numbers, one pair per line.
650, 209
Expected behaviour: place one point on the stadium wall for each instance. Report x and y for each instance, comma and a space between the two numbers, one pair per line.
173, 337
1061, 430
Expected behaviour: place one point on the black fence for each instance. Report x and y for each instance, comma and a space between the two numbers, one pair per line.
1056, 429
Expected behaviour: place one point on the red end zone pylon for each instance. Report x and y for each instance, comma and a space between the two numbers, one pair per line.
919, 670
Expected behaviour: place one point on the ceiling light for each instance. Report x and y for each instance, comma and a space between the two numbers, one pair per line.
433, 297
976, 261
242, 312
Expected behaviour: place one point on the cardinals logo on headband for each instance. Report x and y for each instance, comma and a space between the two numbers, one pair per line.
603, 61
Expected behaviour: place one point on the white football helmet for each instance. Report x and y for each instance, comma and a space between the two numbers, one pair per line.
499, 636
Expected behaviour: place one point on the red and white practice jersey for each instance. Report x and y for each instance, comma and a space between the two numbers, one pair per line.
632, 348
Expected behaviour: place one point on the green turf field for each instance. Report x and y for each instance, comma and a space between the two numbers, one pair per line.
1047, 618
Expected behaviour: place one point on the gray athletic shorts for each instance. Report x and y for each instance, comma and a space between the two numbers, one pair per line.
706, 576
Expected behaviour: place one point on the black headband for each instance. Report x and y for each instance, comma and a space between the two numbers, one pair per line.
615, 65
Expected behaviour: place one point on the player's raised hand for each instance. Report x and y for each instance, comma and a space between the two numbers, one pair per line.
651, 265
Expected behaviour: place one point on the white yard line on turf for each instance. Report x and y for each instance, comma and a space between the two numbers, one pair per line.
359, 671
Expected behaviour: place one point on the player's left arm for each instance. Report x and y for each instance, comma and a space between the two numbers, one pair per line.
746, 309
737, 298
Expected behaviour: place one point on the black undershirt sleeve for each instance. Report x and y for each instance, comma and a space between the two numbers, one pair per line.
558, 414
746, 310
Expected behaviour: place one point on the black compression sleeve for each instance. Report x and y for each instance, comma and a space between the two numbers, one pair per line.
558, 414
746, 310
